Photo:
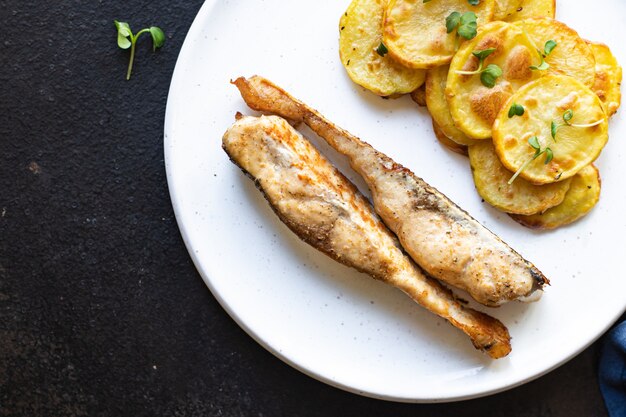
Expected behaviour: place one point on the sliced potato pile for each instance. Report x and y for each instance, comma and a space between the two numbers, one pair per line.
533, 8
608, 78
520, 197
359, 35
415, 31
572, 55
582, 196
521, 94
473, 105
547, 101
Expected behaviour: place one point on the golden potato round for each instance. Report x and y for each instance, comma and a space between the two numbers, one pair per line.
360, 33
506, 8
521, 197
582, 196
533, 8
447, 142
546, 101
608, 77
415, 32
438, 106
571, 56
474, 106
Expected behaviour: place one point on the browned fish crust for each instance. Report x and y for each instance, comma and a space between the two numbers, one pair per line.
324, 209
316, 235
441, 237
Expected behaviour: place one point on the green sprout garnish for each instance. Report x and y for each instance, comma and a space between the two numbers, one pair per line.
465, 24
567, 117
481, 55
547, 50
548, 47
488, 75
126, 39
382, 49
541, 67
534, 143
516, 110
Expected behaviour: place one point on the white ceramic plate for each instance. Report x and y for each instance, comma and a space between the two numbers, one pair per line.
327, 320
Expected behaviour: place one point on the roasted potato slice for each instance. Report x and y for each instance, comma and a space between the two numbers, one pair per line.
438, 106
447, 142
520, 197
419, 95
474, 106
608, 79
360, 33
582, 196
506, 8
415, 31
580, 124
571, 56
533, 8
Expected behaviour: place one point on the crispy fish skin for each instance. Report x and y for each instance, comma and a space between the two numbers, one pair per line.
442, 239
326, 210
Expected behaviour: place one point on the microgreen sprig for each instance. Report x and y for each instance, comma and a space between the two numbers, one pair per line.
481, 55
488, 75
548, 47
516, 110
547, 50
567, 117
534, 143
382, 49
465, 24
554, 126
126, 39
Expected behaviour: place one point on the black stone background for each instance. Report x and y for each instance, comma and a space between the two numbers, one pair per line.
101, 310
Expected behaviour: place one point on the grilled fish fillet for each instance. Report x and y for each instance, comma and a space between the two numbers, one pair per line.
326, 210
441, 238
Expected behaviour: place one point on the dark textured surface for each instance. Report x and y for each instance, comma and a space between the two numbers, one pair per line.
101, 310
